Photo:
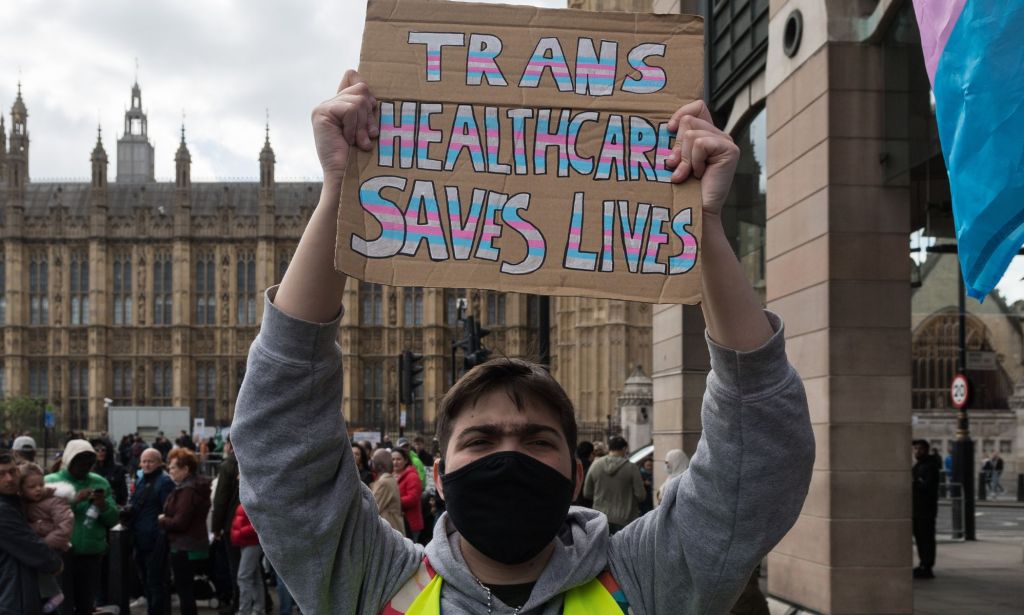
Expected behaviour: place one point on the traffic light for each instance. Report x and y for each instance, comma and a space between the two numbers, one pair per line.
410, 369
481, 353
471, 344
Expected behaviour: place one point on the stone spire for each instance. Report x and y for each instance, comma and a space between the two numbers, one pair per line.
99, 161
17, 155
135, 155
267, 160
182, 162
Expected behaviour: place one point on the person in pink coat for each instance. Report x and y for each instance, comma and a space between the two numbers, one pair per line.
48, 512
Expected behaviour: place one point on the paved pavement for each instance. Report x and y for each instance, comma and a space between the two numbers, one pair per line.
984, 577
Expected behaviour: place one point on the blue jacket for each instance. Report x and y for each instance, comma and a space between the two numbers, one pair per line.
147, 503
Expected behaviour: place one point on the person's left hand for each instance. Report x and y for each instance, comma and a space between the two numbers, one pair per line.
99, 499
703, 151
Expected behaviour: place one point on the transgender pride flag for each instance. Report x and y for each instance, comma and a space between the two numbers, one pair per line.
974, 54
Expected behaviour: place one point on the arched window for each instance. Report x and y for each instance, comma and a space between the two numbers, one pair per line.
163, 273
122, 290
413, 309
372, 304
38, 289
935, 349
79, 289
204, 284
245, 272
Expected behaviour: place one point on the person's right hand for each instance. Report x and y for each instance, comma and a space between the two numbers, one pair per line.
350, 118
82, 495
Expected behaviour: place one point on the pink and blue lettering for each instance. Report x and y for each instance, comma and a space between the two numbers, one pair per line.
481, 61
596, 75
493, 130
402, 130
464, 227
613, 151
684, 261
575, 257
465, 135
642, 139
974, 56
434, 42
426, 136
665, 139
545, 138
608, 228
535, 246
423, 204
652, 78
519, 117
547, 55
633, 232
584, 165
655, 239
386, 213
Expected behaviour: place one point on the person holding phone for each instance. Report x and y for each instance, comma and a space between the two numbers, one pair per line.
95, 513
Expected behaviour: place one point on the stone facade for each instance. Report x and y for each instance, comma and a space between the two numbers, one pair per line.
149, 293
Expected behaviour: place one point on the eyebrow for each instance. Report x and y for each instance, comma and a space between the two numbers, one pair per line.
494, 430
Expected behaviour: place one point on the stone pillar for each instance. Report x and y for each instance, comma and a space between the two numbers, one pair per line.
636, 408
681, 364
837, 272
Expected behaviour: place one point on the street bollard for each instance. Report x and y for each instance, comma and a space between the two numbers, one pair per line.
982, 484
1020, 487
119, 575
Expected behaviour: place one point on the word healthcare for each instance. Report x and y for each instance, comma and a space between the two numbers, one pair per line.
510, 157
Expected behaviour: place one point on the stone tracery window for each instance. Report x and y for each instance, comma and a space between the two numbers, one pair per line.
205, 284
935, 349
38, 289
79, 289
162, 289
122, 289
245, 273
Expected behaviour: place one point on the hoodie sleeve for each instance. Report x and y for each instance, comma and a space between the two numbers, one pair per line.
317, 521
23, 545
742, 492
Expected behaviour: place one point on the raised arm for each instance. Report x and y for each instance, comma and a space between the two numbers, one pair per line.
749, 476
311, 289
316, 520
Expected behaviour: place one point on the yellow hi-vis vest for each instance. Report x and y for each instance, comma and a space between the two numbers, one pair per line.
600, 596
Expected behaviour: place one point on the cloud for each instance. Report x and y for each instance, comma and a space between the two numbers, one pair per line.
221, 62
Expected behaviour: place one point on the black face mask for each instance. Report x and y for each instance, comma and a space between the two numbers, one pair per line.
508, 505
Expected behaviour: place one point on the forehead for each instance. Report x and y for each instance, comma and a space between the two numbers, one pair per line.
498, 408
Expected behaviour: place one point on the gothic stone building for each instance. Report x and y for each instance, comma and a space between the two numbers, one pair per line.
149, 293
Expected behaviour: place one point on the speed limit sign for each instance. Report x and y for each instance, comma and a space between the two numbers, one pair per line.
958, 391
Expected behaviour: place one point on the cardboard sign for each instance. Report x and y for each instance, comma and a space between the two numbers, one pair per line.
524, 149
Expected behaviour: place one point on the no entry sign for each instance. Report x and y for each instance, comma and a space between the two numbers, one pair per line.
958, 391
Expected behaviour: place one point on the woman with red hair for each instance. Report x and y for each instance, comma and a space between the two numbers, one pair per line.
184, 521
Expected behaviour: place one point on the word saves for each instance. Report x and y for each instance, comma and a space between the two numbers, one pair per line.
474, 227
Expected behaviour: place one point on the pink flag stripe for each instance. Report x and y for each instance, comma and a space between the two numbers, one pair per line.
936, 20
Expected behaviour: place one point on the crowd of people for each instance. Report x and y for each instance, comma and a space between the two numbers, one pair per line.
189, 536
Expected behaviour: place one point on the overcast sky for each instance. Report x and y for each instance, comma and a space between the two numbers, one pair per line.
222, 62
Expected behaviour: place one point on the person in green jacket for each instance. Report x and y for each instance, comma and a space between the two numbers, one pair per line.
95, 513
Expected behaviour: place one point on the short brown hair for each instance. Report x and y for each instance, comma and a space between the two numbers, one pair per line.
523, 381
184, 457
29, 469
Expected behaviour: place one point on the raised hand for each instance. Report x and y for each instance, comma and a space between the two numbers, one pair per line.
347, 119
703, 151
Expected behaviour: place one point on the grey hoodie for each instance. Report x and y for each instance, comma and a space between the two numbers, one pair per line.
319, 524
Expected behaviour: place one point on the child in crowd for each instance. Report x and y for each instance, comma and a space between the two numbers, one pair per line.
49, 514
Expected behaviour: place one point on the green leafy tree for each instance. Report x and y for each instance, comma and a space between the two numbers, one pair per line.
22, 414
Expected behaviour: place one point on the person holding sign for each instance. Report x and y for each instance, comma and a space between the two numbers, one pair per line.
509, 541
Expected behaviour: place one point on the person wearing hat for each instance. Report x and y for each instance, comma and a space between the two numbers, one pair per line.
25, 448
95, 513
403, 443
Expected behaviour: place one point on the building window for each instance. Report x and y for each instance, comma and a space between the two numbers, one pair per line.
205, 287
162, 289
122, 289
935, 349
1005, 446
246, 280
38, 380
495, 308
38, 285
79, 289
532, 311
3, 290
78, 395
206, 385
451, 305
282, 264
373, 393
162, 383
239, 376
413, 308
372, 312
744, 213
122, 385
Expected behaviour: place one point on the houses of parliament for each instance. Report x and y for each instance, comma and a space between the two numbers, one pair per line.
149, 293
